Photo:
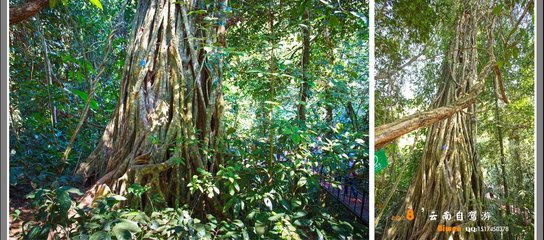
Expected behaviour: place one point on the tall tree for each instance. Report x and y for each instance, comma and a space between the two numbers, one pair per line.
449, 176
305, 61
167, 124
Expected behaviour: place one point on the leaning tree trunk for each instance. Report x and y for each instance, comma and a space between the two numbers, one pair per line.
167, 124
449, 177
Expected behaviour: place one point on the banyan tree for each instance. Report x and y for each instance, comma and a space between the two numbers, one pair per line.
449, 176
167, 123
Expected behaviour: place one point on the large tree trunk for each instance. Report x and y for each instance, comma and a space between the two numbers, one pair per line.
167, 124
449, 177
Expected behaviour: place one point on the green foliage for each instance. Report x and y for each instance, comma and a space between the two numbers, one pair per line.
203, 183
53, 208
43, 114
258, 200
96, 3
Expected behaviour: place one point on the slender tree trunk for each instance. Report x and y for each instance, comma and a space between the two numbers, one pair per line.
168, 122
352, 115
506, 196
328, 91
304, 66
516, 158
272, 63
49, 76
501, 148
449, 178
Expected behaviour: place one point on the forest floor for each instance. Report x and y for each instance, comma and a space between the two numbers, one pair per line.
18, 201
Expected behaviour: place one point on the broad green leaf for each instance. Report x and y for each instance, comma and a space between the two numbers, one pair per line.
97, 4
301, 182
260, 227
497, 9
83, 96
100, 235
125, 228
515, 51
276, 217
64, 200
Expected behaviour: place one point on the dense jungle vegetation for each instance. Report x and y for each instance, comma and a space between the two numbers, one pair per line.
162, 119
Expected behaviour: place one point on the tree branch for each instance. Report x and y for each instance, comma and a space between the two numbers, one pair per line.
501, 94
398, 69
515, 28
25, 10
386, 133
391, 131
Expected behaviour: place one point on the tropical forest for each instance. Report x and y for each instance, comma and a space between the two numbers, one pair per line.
454, 125
216, 119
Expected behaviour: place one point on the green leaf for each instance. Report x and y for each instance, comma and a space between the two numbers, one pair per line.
38, 232
238, 223
319, 235
272, 103
100, 235
53, 3
64, 200
84, 96
97, 4
260, 227
360, 16
497, 10
299, 214
515, 51
230, 131
276, 217
301, 182
73, 190
197, 12
125, 228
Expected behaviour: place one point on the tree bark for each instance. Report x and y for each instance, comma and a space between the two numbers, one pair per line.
26, 10
304, 66
272, 65
449, 176
387, 133
168, 121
